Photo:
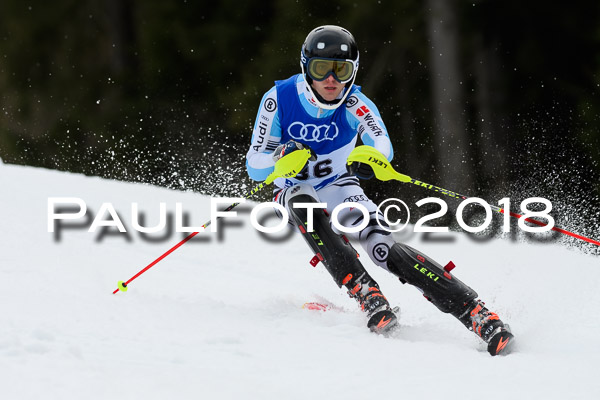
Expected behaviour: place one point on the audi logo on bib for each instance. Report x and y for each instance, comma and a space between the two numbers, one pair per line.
313, 133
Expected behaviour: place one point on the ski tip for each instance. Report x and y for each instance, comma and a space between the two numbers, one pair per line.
384, 322
501, 343
316, 306
122, 286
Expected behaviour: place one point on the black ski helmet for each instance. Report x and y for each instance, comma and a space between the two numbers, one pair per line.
329, 42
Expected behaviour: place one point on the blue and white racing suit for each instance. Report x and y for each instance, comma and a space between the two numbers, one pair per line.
288, 111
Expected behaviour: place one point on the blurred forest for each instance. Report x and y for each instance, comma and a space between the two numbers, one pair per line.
488, 98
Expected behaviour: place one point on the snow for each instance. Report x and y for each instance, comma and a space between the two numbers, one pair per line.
222, 316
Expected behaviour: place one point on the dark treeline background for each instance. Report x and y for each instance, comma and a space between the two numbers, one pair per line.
487, 98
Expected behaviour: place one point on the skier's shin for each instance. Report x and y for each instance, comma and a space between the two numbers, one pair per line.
444, 290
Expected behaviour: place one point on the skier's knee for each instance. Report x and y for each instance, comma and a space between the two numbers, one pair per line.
440, 287
300, 194
350, 217
378, 246
304, 194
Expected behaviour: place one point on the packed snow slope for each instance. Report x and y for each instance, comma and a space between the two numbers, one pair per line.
222, 316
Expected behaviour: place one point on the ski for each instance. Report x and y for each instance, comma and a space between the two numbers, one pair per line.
326, 306
502, 342
321, 306
314, 306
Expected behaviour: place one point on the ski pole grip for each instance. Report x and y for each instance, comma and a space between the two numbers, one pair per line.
289, 165
381, 166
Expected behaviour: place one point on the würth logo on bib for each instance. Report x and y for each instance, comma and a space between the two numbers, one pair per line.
362, 111
312, 132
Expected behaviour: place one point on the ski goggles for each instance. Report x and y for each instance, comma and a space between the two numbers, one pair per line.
342, 70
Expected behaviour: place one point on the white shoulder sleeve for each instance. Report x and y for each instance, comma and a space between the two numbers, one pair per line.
363, 115
266, 136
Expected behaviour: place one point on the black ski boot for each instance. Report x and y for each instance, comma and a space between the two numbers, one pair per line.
488, 326
381, 318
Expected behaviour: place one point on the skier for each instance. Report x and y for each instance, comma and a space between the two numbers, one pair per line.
321, 109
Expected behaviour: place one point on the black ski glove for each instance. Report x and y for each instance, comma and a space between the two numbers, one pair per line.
361, 170
289, 147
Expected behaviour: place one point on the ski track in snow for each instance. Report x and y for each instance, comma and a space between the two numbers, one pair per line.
223, 319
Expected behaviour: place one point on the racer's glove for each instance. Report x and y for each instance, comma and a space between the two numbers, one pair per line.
284, 149
361, 170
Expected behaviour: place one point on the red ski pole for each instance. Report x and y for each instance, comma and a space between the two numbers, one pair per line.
503, 211
288, 166
385, 172
122, 286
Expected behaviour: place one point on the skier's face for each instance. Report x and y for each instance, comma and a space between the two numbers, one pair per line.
329, 89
